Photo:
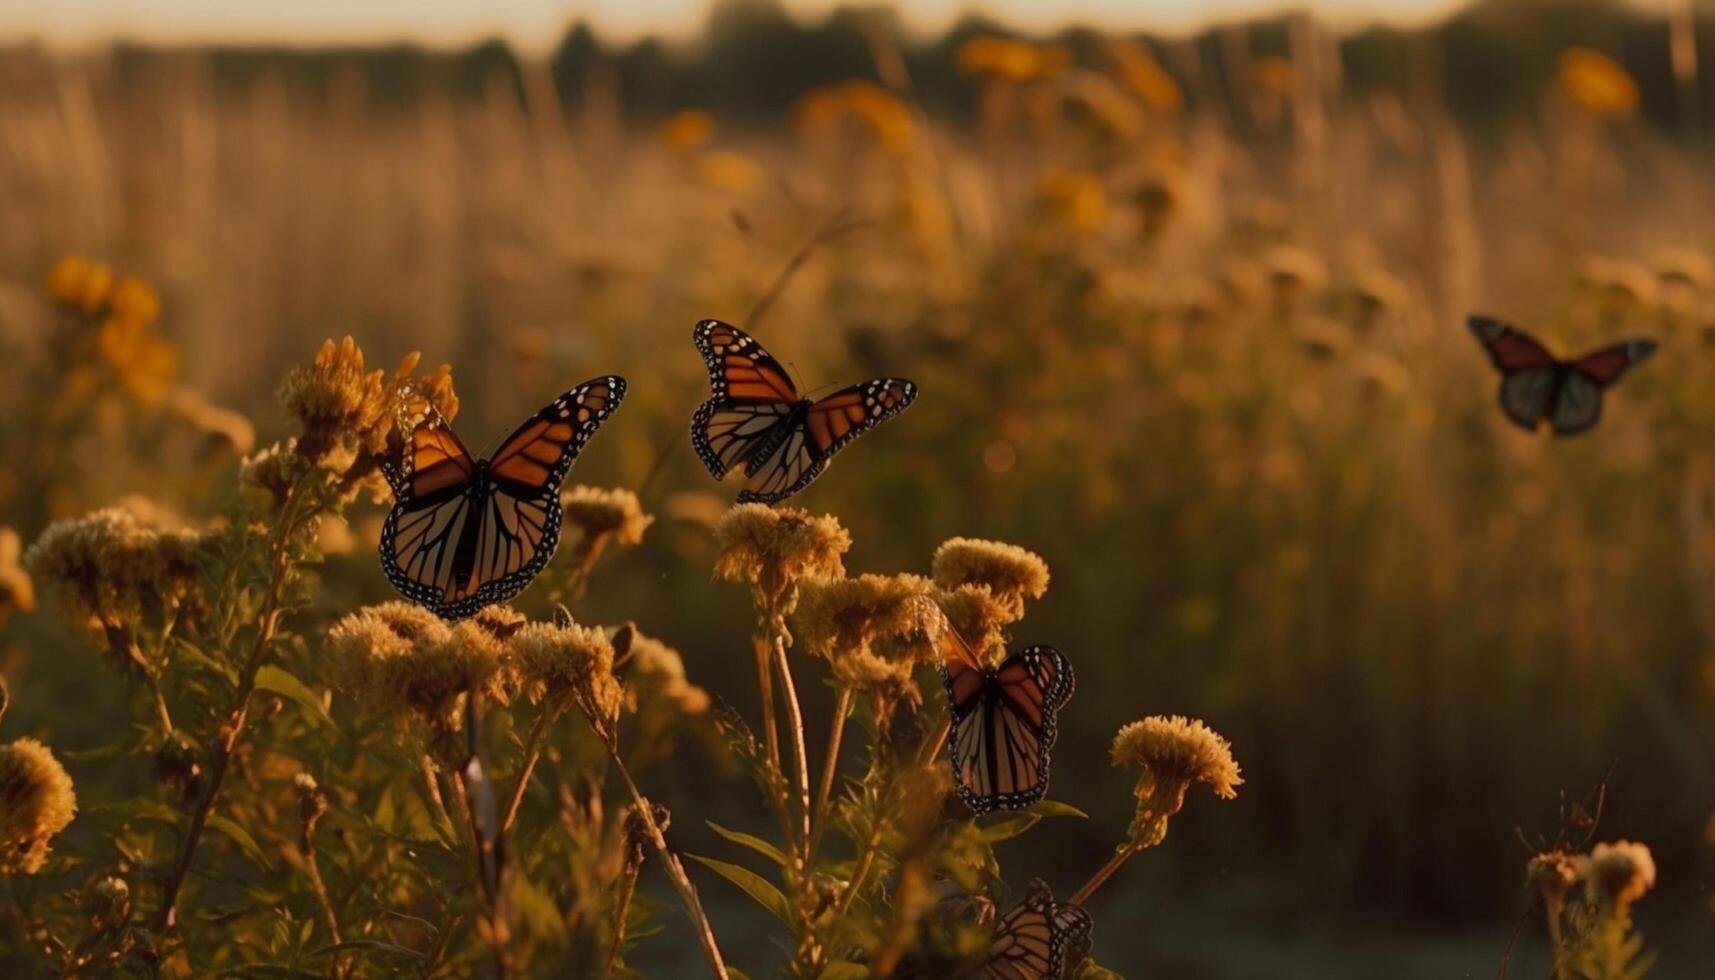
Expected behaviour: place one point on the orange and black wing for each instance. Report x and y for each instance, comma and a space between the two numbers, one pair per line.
433, 460
1578, 396
465, 546
794, 459
751, 399
1033, 940
1004, 725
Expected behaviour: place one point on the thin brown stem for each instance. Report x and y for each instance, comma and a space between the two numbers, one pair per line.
675, 869
830, 767
795, 723
481, 854
627, 888
1106, 871
765, 690
1552, 907
932, 747
432, 789
532, 754
313, 869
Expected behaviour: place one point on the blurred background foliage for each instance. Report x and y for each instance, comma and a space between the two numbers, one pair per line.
1187, 315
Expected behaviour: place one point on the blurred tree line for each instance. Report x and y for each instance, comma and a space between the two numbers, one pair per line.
752, 59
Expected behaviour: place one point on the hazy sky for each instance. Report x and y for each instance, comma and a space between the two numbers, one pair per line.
539, 22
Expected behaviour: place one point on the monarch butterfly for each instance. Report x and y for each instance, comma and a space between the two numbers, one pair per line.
757, 419
1003, 722
465, 533
1032, 940
1536, 386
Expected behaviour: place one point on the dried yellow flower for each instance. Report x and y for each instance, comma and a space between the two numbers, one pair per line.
606, 513
1172, 752
776, 548
566, 665
1596, 83
80, 283
1552, 874
114, 564
1620, 873
134, 301
1010, 573
656, 671
36, 803
338, 402
399, 660
977, 619
17, 592
890, 617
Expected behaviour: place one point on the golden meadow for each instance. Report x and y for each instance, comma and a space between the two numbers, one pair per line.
1198, 408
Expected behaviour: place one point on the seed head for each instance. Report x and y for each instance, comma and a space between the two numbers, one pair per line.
1010, 573
774, 549
1170, 753
604, 513
36, 803
399, 660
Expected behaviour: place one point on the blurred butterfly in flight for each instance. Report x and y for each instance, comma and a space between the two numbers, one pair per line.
464, 532
1537, 387
1003, 724
756, 419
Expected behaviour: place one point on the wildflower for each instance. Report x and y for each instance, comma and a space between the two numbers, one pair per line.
1171, 753
656, 672
606, 514
400, 660
79, 283
337, 402
567, 665
1620, 873
1375, 292
1381, 375
17, 592
1008, 60
1292, 273
134, 301
1011, 574
273, 470
686, 131
114, 564
1552, 875
889, 618
774, 549
106, 902
36, 803
976, 618
887, 120
726, 170
1321, 338
1596, 83
312, 801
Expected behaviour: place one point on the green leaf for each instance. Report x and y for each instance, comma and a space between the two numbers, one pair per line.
137, 808
753, 842
1007, 827
753, 884
843, 970
278, 680
240, 836
369, 945
1054, 808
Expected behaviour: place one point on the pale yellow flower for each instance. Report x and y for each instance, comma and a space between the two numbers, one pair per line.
1011, 574
567, 665
1170, 753
17, 592
774, 549
610, 513
1620, 873
112, 565
36, 803
400, 661
1596, 83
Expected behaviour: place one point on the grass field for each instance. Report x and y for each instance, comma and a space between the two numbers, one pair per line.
1207, 360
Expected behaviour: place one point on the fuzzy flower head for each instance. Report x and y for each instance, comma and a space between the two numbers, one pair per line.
1552, 874
873, 629
656, 673
606, 514
400, 661
775, 548
36, 803
1011, 574
17, 592
112, 565
350, 413
568, 665
1170, 753
1620, 873
975, 620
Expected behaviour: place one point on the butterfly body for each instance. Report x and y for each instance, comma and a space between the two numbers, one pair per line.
467, 532
1003, 726
756, 421
1537, 387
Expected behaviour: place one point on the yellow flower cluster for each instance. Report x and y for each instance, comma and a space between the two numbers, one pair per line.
566, 665
602, 512
124, 312
36, 803
656, 672
774, 549
1170, 753
883, 118
686, 131
347, 412
1620, 873
401, 661
1010, 574
873, 629
112, 565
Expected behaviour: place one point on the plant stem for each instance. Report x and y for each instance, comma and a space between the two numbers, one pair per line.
231, 733
675, 870
627, 888
932, 747
532, 754
1121, 856
765, 689
1552, 906
480, 854
795, 719
837, 728
317, 885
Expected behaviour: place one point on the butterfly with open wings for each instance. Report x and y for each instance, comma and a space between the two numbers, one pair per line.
1003, 724
465, 532
756, 419
1537, 387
